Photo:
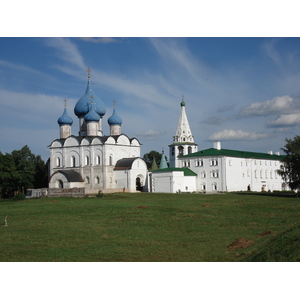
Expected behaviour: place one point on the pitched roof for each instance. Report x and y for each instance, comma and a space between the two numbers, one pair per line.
235, 153
186, 171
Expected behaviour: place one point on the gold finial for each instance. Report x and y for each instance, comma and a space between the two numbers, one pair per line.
65, 102
182, 97
114, 101
89, 73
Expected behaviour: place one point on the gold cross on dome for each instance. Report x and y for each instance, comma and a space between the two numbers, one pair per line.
114, 101
89, 72
65, 102
182, 97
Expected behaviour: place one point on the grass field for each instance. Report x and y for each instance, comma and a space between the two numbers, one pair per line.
145, 227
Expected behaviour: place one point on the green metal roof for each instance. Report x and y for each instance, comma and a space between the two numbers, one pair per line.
234, 153
186, 171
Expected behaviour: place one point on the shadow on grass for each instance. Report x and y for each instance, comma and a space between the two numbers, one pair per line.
271, 194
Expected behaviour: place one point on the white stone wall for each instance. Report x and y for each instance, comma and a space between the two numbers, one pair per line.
221, 173
172, 182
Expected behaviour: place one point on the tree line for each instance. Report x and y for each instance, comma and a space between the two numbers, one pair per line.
21, 170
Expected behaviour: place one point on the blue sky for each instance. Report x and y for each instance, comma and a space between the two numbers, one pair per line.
241, 91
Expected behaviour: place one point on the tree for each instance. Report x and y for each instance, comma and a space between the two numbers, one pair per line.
20, 171
9, 176
290, 168
148, 158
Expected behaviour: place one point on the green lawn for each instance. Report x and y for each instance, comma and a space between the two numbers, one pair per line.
151, 227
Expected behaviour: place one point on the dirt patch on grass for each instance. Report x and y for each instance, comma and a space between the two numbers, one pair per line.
141, 207
266, 233
240, 243
206, 205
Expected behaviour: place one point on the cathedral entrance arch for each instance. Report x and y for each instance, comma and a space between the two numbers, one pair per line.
60, 184
139, 182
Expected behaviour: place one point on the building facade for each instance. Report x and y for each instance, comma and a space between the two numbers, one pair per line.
214, 169
92, 160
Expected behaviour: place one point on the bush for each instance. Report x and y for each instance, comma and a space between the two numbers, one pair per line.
19, 196
100, 194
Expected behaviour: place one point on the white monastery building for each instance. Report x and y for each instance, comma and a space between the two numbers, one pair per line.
214, 169
92, 160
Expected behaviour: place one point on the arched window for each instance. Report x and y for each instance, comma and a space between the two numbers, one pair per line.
87, 160
87, 179
97, 179
98, 160
189, 150
58, 162
73, 161
180, 150
60, 184
110, 160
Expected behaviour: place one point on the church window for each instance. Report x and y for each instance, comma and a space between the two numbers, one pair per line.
180, 149
87, 160
189, 150
87, 179
58, 162
203, 174
255, 174
73, 161
173, 151
110, 160
98, 160
203, 187
97, 179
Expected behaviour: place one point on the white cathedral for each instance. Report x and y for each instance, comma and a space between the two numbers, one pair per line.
93, 161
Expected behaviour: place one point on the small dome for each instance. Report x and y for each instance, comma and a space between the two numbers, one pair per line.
65, 119
114, 119
182, 103
92, 115
82, 105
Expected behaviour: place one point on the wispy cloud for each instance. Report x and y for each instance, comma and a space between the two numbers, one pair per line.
67, 51
233, 135
269, 48
149, 134
101, 40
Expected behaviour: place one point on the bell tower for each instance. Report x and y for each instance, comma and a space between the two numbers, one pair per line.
183, 141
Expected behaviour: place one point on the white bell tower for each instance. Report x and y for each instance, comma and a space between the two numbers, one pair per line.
183, 141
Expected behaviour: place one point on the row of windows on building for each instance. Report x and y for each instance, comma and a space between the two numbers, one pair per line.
214, 162
86, 161
262, 174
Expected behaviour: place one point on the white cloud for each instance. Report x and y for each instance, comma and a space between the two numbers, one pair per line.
231, 135
149, 134
283, 104
102, 40
285, 120
67, 51
270, 50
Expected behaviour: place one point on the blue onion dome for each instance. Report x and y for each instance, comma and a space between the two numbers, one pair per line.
65, 119
92, 115
114, 119
82, 105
